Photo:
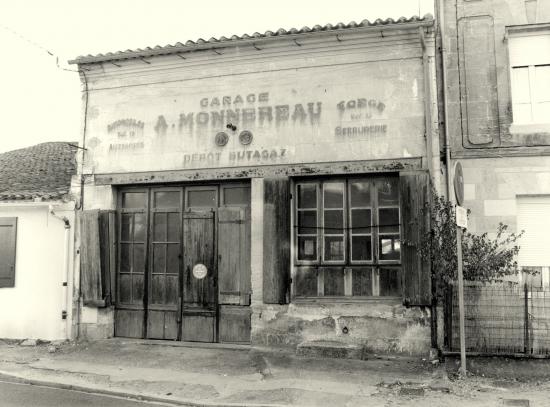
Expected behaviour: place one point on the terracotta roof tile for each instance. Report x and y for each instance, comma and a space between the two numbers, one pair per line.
40, 172
224, 41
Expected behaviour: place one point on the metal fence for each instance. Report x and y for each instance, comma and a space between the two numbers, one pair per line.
500, 319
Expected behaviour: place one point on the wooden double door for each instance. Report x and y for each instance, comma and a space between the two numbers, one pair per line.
184, 263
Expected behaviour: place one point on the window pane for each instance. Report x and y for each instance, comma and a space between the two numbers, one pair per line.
307, 222
307, 248
390, 247
542, 83
307, 196
522, 113
236, 196
334, 222
174, 227
202, 198
334, 281
542, 112
125, 227
139, 259
306, 282
388, 219
157, 289
361, 248
172, 258
134, 200
125, 257
334, 194
139, 227
520, 85
159, 258
159, 227
387, 192
167, 199
137, 289
390, 282
362, 281
334, 248
360, 193
361, 220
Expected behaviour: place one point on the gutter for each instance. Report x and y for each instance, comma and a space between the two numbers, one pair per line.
207, 45
65, 274
427, 102
441, 25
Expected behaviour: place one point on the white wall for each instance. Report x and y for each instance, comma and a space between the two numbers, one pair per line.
32, 309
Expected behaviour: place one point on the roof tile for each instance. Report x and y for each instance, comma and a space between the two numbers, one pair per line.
40, 172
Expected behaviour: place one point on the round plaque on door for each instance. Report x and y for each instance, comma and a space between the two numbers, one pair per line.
199, 271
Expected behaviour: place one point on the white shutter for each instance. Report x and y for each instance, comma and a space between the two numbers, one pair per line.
534, 219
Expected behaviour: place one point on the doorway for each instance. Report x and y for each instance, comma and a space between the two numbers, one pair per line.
183, 269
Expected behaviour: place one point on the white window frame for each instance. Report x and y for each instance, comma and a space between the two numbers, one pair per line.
528, 48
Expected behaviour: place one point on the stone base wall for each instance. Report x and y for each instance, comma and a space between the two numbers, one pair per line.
382, 327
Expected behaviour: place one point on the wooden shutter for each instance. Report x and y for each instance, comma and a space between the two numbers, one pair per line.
276, 262
107, 249
416, 281
234, 255
8, 235
97, 257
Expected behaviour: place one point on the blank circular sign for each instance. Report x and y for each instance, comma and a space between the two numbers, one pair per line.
200, 271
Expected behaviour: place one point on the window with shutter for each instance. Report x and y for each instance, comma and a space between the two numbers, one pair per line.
8, 229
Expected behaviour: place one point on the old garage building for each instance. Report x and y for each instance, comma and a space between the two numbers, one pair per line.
261, 189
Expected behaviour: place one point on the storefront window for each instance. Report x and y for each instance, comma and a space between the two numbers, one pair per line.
347, 238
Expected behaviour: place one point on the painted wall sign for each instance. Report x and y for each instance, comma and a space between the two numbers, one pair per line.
318, 114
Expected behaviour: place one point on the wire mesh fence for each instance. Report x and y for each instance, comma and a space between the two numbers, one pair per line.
501, 318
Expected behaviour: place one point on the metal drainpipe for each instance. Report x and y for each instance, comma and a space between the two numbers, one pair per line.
441, 12
65, 275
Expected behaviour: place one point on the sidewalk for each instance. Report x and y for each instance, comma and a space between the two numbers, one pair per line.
243, 376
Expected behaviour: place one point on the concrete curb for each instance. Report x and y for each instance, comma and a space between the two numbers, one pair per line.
9, 377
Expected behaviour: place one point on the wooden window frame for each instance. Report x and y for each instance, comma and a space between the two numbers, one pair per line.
375, 264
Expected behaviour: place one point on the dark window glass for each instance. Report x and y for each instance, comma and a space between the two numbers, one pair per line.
159, 258
307, 196
125, 266
361, 221
334, 248
360, 193
159, 227
361, 248
238, 196
174, 227
139, 258
206, 198
134, 200
167, 199
307, 247
307, 222
139, 227
126, 227
388, 219
334, 222
388, 192
333, 195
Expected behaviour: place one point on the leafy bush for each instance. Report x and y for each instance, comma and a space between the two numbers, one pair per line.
484, 259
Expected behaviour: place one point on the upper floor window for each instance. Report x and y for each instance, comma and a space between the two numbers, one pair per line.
529, 53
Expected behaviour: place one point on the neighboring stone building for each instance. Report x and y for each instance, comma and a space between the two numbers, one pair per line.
498, 116
37, 216
257, 188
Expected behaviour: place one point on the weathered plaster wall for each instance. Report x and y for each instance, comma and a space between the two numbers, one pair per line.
32, 309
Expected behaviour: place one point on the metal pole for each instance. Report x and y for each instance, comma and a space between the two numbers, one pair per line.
461, 301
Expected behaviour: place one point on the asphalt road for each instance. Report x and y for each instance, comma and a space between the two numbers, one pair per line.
23, 395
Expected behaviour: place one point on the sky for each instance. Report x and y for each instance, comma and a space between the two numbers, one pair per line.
40, 94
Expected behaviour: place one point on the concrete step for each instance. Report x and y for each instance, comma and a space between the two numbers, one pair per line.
330, 349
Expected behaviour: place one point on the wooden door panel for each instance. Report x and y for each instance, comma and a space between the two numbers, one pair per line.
162, 324
129, 323
198, 243
199, 327
234, 324
234, 255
